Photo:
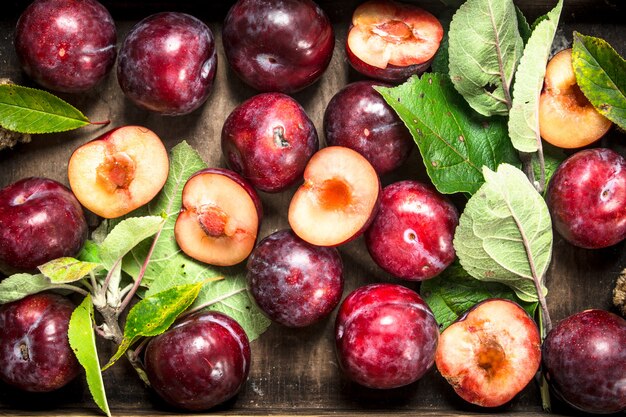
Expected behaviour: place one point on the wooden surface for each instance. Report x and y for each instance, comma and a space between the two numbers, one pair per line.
293, 371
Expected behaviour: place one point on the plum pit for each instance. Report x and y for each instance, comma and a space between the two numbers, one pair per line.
116, 171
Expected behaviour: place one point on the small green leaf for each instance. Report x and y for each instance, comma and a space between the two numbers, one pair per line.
19, 286
65, 270
28, 110
505, 233
155, 314
441, 63
601, 75
522, 24
90, 252
453, 292
83, 342
126, 235
484, 49
524, 115
454, 141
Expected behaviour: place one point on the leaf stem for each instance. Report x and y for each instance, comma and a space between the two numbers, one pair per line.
102, 122
211, 302
107, 279
71, 288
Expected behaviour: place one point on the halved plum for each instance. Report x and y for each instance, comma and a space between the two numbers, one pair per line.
338, 199
219, 218
391, 41
119, 171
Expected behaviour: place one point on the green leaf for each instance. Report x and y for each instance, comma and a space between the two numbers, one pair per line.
90, 252
28, 110
155, 314
67, 269
18, 286
505, 233
553, 157
453, 292
484, 49
522, 24
524, 115
601, 75
441, 62
455, 142
126, 235
83, 342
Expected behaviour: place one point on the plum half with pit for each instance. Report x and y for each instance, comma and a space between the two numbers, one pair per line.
586, 198
269, 139
386, 336
40, 220
390, 41
200, 362
167, 63
35, 354
358, 117
411, 235
278, 45
584, 359
66, 45
295, 283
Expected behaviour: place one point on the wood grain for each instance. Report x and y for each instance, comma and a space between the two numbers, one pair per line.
294, 372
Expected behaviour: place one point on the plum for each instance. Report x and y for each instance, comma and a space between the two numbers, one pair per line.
295, 283
269, 139
40, 220
411, 235
358, 117
586, 198
200, 362
278, 45
167, 63
66, 45
385, 335
584, 358
35, 354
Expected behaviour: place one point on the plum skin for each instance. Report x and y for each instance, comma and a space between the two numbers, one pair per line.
66, 45
269, 139
40, 220
200, 362
35, 354
392, 74
167, 63
585, 361
359, 118
586, 197
412, 233
386, 336
278, 45
295, 283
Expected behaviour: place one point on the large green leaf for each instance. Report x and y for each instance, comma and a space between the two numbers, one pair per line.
484, 49
454, 141
155, 314
524, 115
601, 75
67, 269
83, 342
18, 286
505, 233
453, 292
28, 110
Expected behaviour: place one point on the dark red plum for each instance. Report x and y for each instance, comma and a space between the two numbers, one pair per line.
295, 283
167, 63
269, 139
40, 220
357, 117
586, 197
35, 354
411, 236
199, 362
278, 45
66, 45
584, 360
386, 336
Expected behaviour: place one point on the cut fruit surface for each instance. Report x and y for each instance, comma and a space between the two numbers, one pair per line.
386, 33
219, 218
491, 353
119, 171
338, 198
566, 118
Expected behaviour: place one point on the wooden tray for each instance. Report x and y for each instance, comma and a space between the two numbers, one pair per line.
294, 372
